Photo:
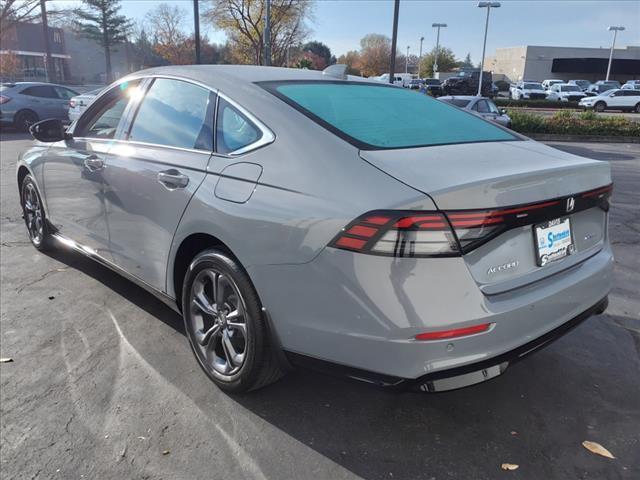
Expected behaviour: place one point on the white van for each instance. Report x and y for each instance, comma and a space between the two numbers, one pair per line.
400, 79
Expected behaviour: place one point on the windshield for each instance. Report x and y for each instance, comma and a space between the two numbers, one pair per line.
374, 117
432, 81
533, 86
570, 88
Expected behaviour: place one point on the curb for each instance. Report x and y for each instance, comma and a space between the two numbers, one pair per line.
549, 137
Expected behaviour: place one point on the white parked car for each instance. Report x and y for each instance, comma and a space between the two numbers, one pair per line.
79, 103
616, 99
527, 90
632, 85
564, 92
547, 83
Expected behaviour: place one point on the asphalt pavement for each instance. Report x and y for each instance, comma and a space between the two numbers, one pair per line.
103, 385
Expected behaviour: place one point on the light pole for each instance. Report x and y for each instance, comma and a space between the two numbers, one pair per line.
615, 31
196, 29
488, 6
435, 60
267, 34
394, 40
406, 61
420, 59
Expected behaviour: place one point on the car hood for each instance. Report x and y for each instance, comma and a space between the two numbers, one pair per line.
492, 174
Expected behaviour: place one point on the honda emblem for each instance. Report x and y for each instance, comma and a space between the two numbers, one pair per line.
571, 203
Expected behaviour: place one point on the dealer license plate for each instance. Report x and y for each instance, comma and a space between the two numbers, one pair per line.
553, 240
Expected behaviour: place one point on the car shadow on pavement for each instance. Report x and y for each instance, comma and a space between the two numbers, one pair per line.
536, 414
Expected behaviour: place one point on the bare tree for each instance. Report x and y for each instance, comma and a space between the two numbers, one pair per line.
16, 11
243, 22
170, 41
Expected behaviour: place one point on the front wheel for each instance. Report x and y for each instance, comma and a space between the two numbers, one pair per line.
637, 108
225, 325
34, 216
600, 106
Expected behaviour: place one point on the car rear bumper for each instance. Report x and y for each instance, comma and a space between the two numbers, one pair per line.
458, 377
363, 311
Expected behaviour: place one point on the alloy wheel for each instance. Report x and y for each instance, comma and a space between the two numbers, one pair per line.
218, 323
33, 215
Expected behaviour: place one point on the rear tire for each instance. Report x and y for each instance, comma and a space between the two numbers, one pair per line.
225, 324
24, 119
34, 215
600, 107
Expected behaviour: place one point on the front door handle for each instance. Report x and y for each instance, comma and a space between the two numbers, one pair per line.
172, 178
93, 163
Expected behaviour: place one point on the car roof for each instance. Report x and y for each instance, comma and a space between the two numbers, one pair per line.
238, 80
462, 97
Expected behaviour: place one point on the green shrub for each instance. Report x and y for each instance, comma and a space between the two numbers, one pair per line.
506, 102
566, 123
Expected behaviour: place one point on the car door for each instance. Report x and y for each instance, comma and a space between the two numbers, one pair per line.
153, 171
73, 185
482, 107
617, 99
632, 98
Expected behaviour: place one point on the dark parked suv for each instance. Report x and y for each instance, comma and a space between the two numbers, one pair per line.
466, 83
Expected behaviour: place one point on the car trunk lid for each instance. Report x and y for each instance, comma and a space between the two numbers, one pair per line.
494, 176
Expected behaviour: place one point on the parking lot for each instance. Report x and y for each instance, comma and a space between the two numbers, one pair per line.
103, 384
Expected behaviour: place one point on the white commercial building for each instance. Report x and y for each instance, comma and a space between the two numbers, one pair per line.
531, 62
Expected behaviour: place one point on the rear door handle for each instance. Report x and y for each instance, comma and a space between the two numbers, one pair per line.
93, 163
172, 178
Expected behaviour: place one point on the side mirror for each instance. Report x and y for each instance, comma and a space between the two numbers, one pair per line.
51, 130
503, 111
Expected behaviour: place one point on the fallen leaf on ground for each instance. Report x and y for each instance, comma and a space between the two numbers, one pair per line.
509, 466
596, 448
6, 360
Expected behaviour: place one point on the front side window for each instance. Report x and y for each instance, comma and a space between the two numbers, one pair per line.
102, 120
482, 106
176, 114
373, 117
233, 129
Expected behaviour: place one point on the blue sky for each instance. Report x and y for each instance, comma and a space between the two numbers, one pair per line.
342, 23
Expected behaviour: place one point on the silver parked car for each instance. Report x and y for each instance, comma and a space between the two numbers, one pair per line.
24, 103
310, 218
481, 106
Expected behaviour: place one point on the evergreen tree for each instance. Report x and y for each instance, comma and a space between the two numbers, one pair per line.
100, 21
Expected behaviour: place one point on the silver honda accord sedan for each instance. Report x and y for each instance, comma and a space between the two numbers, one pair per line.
308, 218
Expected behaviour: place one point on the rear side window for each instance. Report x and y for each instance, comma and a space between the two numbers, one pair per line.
176, 114
383, 117
234, 130
42, 91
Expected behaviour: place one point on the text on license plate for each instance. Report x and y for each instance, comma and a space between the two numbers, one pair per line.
553, 240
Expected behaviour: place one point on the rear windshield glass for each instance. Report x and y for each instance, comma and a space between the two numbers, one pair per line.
383, 117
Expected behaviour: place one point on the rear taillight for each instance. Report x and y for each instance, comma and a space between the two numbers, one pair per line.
4, 99
72, 103
407, 233
399, 234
